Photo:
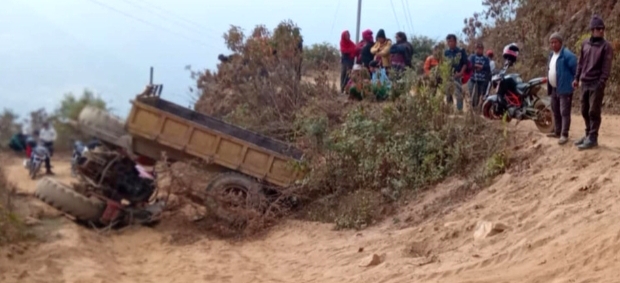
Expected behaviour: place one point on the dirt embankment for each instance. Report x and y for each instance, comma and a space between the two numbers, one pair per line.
552, 218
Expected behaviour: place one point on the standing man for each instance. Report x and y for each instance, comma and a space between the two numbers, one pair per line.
561, 71
491, 60
48, 136
458, 60
482, 74
592, 73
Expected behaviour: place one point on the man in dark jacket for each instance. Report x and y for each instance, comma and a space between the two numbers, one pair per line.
458, 62
561, 71
482, 74
592, 73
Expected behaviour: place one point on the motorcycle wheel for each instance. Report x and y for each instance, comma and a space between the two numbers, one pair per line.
34, 169
544, 121
487, 111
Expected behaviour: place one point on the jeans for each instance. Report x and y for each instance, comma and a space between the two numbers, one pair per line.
477, 90
457, 91
50, 147
591, 104
561, 105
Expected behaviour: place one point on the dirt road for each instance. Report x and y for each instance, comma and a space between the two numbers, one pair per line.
560, 213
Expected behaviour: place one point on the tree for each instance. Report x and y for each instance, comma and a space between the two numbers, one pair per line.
422, 48
321, 55
71, 106
69, 110
8, 126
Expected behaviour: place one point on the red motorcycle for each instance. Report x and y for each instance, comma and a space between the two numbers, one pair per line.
515, 99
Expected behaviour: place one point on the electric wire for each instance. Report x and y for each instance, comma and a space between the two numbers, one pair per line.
150, 24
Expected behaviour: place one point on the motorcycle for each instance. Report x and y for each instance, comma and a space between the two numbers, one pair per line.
38, 156
514, 99
79, 148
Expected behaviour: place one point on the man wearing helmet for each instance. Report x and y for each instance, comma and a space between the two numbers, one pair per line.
592, 73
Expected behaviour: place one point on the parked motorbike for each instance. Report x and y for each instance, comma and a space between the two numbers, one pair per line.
79, 148
508, 96
38, 156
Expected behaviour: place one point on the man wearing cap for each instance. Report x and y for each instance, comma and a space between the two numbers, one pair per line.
561, 71
592, 73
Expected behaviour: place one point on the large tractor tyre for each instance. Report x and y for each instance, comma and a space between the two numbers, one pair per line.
65, 199
102, 125
235, 198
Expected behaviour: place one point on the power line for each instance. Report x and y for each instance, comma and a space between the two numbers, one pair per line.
331, 33
164, 15
407, 19
394, 11
200, 26
149, 23
410, 17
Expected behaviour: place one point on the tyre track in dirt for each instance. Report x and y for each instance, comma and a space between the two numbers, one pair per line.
560, 209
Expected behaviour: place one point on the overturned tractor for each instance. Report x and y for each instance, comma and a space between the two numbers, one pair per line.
117, 185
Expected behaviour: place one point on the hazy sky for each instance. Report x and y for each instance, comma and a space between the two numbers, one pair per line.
49, 48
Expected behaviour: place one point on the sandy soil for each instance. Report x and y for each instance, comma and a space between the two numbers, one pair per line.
559, 213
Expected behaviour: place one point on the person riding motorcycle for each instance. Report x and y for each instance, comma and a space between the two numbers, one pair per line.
36, 146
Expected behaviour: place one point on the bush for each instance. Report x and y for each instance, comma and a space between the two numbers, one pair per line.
260, 89
321, 57
11, 228
396, 148
8, 126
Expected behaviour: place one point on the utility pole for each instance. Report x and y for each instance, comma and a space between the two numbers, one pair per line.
359, 17
151, 76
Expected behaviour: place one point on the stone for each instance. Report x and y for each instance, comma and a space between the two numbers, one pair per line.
372, 260
485, 229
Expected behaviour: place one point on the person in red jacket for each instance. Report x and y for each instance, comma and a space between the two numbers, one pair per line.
348, 52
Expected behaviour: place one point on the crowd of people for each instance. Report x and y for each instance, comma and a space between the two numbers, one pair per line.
379, 56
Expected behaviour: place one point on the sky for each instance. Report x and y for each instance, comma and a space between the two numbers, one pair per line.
51, 48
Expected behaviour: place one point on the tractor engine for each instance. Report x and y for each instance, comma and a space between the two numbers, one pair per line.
114, 175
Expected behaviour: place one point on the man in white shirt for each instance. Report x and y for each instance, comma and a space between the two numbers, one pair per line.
562, 67
48, 136
492, 60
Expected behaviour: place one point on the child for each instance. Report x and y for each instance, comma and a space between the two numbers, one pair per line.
380, 83
357, 85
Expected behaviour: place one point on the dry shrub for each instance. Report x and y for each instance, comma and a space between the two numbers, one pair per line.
530, 23
11, 228
391, 149
260, 87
